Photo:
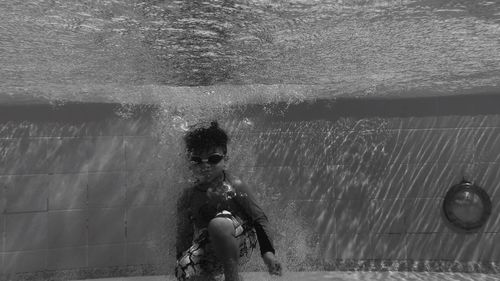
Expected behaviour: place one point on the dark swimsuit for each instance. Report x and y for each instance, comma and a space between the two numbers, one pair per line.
197, 206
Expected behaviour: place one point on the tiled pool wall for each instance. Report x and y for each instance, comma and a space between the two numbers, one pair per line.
347, 184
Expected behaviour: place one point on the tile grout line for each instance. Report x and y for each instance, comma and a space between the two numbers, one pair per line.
87, 221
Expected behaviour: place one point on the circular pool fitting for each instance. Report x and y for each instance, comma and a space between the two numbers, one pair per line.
467, 206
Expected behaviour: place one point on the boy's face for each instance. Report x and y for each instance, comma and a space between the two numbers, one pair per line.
207, 165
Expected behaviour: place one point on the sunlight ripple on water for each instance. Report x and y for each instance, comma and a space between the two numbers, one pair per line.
118, 50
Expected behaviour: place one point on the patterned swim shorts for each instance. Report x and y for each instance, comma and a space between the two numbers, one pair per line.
200, 258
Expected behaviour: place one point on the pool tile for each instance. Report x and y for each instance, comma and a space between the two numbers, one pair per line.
15, 129
328, 248
389, 246
2, 232
490, 120
389, 216
493, 222
357, 185
488, 178
488, 140
495, 252
106, 255
3, 199
139, 125
420, 182
254, 178
26, 231
393, 182
419, 122
2, 265
424, 216
316, 214
450, 174
363, 149
241, 151
434, 180
68, 191
423, 246
354, 246
465, 147
316, 183
277, 183
26, 193
146, 153
436, 145
273, 148
304, 234
67, 258
296, 126
353, 216
69, 155
111, 126
394, 123
46, 128
110, 219
236, 125
147, 188
25, 261
459, 246
399, 144
145, 223
26, 155
107, 154
67, 228
293, 149
440, 122
106, 190
146, 253
458, 121
484, 250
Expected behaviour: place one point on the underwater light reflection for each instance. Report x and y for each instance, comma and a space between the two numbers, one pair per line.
69, 49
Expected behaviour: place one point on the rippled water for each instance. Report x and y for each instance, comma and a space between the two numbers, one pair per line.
127, 50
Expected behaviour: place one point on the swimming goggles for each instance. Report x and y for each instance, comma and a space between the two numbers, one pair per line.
212, 159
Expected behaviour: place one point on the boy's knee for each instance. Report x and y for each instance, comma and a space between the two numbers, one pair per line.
220, 227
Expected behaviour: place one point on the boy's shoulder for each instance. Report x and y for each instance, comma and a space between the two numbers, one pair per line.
234, 180
237, 183
186, 192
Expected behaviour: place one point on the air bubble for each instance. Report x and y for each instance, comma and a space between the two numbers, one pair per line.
180, 124
248, 122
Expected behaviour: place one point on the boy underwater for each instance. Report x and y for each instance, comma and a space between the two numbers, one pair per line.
218, 220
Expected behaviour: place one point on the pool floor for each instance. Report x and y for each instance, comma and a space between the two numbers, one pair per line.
339, 276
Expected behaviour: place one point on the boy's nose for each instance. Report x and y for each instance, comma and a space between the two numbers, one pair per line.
205, 165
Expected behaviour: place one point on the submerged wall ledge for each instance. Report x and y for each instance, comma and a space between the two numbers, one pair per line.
332, 109
319, 109
340, 265
412, 266
68, 111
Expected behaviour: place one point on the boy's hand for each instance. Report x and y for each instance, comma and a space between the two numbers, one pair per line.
273, 265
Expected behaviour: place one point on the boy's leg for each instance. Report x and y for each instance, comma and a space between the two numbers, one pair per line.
202, 278
188, 265
226, 246
192, 265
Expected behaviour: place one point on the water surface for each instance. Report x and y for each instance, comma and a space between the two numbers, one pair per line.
125, 50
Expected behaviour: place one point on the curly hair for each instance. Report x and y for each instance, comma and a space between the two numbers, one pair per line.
203, 138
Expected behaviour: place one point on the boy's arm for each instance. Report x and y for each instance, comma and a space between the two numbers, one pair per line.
259, 219
185, 230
